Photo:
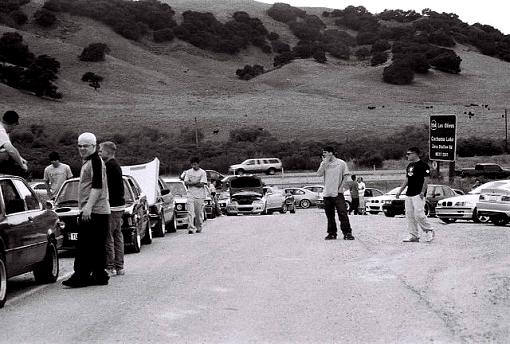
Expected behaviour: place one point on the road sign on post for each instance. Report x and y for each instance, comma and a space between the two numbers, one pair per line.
443, 137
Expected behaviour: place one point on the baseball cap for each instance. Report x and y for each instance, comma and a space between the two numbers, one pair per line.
10, 117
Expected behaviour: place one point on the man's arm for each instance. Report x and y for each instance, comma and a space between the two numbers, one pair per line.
69, 173
14, 154
322, 168
423, 192
404, 184
87, 209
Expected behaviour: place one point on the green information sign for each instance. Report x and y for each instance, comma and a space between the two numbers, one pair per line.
443, 137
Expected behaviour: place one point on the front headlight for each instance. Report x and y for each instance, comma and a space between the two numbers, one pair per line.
505, 198
481, 198
388, 201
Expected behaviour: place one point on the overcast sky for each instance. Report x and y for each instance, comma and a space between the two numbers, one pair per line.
492, 12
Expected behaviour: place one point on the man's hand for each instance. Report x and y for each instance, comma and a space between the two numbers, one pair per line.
397, 195
24, 165
86, 214
422, 196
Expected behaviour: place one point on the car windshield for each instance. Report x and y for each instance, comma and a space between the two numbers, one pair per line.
495, 184
68, 195
177, 188
395, 190
246, 182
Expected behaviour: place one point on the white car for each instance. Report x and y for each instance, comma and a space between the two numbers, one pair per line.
40, 190
494, 202
261, 165
464, 207
302, 197
319, 189
369, 194
374, 204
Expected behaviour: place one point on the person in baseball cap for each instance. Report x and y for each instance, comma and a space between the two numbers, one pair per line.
11, 160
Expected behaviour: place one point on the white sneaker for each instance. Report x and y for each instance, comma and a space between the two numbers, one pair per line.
111, 272
429, 235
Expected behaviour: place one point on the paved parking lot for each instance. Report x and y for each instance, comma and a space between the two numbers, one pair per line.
274, 279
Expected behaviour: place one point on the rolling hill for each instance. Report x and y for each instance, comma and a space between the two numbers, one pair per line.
167, 85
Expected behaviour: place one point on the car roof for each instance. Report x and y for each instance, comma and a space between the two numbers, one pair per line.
173, 179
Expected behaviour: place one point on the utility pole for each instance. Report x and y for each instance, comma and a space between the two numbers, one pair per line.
506, 130
196, 132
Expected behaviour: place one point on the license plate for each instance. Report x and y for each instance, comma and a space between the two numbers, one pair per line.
73, 236
493, 198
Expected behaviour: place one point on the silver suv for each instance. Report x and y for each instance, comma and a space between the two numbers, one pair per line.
266, 165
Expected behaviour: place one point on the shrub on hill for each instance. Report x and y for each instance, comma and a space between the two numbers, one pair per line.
248, 134
39, 77
93, 79
362, 53
13, 51
338, 36
283, 59
339, 50
11, 14
285, 13
381, 45
447, 62
398, 73
44, 18
379, 58
474, 146
440, 37
94, 52
279, 46
273, 36
320, 56
366, 38
163, 35
249, 72
399, 15
304, 31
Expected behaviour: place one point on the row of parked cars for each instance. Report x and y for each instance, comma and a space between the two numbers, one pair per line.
32, 231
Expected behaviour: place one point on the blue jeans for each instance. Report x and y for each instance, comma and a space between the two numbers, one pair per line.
337, 203
115, 242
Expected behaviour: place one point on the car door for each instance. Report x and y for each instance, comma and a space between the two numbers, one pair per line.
271, 199
436, 196
167, 200
26, 230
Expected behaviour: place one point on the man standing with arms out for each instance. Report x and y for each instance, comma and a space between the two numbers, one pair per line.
353, 188
417, 173
196, 179
89, 262
114, 239
361, 191
11, 161
56, 174
334, 171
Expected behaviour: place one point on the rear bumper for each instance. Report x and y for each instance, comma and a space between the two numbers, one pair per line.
489, 208
454, 213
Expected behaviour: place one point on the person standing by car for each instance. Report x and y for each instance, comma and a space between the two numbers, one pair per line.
361, 193
56, 174
417, 173
196, 180
89, 262
353, 188
334, 171
11, 162
114, 238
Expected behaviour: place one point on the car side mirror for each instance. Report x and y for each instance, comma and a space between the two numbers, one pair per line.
49, 204
165, 192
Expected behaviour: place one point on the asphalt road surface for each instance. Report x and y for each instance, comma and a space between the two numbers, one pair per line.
273, 279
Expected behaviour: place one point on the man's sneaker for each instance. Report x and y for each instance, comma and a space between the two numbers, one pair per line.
74, 282
111, 272
429, 235
120, 272
330, 237
348, 236
191, 232
199, 230
412, 239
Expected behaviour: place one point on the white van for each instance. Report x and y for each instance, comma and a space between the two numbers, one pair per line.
265, 165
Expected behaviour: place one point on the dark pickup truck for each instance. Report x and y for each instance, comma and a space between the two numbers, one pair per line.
486, 170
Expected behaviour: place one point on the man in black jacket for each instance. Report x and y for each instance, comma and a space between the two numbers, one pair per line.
114, 239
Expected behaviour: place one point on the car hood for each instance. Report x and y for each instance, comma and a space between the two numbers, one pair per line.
179, 199
66, 211
246, 194
147, 176
462, 198
385, 198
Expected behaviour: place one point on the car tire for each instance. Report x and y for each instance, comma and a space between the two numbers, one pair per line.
271, 171
160, 228
3, 281
136, 243
284, 209
47, 271
373, 212
348, 206
389, 214
147, 238
480, 218
305, 204
172, 226
447, 220
499, 220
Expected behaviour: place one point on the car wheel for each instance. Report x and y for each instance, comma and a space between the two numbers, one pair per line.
147, 238
305, 204
136, 243
374, 212
172, 228
3, 281
47, 270
389, 214
480, 218
499, 220
447, 220
160, 228
271, 171
284, 209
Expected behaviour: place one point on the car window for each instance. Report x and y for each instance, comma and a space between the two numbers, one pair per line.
40, 187
27, 195
12, 200
128, 196
376, 193
250, 162
300, 192
438, 192
368, 193
177, 188
68, 194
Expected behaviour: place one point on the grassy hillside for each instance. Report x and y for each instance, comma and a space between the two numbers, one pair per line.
167, 85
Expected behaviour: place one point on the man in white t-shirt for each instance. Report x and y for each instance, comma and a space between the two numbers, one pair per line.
11, 162
195, 179
56, 174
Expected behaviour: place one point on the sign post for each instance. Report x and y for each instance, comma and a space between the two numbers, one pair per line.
443, 140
